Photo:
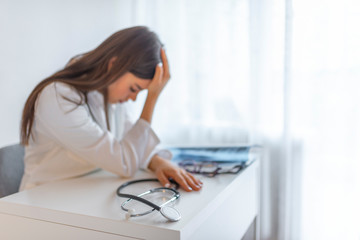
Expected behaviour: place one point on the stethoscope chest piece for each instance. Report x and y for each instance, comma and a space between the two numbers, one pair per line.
170, 213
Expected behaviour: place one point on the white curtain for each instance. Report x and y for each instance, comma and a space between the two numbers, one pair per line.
270, 105
326, 115
307, 115
282, 73
307, 71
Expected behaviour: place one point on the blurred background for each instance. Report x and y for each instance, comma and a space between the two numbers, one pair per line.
281, 73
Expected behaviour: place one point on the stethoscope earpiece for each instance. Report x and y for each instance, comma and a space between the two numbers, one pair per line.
129, 213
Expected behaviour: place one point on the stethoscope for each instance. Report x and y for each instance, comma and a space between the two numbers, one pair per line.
168, 212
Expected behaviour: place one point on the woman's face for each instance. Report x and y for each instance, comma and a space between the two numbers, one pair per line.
126, 87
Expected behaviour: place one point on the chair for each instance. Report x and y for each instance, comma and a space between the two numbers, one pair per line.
11, 169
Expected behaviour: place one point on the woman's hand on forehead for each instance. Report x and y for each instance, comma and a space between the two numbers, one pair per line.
161, 77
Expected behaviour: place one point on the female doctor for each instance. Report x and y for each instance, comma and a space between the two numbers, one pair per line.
68, 120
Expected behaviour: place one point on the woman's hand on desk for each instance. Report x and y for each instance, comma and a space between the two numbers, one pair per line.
164, 170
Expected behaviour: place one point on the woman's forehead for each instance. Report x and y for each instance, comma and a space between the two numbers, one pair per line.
140, 82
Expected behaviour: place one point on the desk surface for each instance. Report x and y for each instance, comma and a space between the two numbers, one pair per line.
90, 202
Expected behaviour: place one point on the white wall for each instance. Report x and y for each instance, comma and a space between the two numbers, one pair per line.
38, 37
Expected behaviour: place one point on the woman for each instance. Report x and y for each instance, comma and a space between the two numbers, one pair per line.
66, 122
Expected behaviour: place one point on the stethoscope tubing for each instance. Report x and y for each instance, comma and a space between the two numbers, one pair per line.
153, 209
142, 200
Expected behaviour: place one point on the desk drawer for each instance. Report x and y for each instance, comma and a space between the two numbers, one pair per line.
37, 229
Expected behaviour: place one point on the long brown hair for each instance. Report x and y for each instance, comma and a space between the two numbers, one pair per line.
137, 50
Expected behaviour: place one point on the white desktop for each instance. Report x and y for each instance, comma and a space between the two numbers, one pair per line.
88, 208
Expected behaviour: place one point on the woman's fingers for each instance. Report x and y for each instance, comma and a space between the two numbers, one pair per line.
158, 73
165, 170
195, 180
163, 179
190, 181
165, 64
157, 83
182, 182
161, 76
186, 180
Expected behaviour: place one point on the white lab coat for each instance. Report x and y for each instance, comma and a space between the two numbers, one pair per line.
68, 142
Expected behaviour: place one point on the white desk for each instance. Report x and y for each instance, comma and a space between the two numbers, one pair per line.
87, 208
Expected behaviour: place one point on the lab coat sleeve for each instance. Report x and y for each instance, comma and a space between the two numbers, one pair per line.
73, 128
125, 123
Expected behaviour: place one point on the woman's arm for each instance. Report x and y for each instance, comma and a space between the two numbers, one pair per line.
163, 168
149, 107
